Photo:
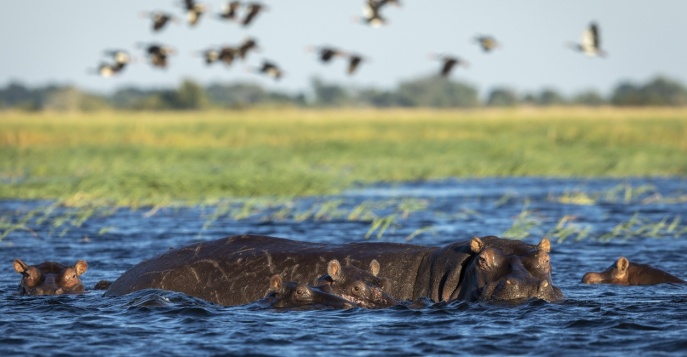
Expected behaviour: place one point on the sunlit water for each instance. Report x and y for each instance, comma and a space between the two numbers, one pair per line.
591, 319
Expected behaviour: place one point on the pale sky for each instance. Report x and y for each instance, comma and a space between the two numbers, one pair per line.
49, 41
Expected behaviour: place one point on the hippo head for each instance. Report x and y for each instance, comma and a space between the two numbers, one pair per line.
297, 295
364, 288
624, 272
504, 274
50, 278
614, 274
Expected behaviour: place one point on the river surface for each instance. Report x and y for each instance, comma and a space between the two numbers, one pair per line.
590, 223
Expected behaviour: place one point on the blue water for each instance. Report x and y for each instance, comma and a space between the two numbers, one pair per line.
641, 219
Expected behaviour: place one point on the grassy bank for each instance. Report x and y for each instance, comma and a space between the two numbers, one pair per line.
154, 158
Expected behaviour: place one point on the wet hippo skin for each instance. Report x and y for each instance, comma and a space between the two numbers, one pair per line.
236, 270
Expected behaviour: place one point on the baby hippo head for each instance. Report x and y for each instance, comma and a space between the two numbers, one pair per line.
50, 278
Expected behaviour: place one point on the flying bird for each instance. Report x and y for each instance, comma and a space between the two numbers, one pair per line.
248, 45
254, 9
270, 69
590, 43
354, 62
210, 56
325, 53
110, 69
448, 63
487, 42
158, 54
193, 11
106, 70
160, 19
229, 10
227, 55
371, 15
121, 59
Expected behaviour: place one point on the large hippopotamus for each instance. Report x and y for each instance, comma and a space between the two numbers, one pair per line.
235, 270
624, 272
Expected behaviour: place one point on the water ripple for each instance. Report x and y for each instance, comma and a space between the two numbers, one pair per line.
603, 319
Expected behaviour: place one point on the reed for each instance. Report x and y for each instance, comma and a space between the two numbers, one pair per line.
157, 159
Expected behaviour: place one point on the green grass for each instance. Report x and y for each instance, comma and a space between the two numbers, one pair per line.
137, 159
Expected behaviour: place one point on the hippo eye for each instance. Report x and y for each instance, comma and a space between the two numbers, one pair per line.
300, 292
482, 262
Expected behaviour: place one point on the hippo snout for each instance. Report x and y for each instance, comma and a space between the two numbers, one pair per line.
48, 287
514, 289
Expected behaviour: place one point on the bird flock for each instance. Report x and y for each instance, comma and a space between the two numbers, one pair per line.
245, 13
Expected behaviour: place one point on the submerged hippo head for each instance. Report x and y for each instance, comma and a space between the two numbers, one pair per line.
297, 295
50, 278
507, 274
362, 287
623, 272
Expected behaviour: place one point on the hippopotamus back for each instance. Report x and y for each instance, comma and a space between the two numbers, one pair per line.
236, 270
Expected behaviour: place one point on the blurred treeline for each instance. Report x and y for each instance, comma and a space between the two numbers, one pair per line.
427, 92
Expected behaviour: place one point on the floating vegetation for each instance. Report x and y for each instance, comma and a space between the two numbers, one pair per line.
51, 217
380, 225
620, 193
527, 224
638, 227
523, 224
578, 215
566, 227
382, 215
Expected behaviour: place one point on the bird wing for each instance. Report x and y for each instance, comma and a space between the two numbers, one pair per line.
253, 11
594, 31
448, 65
587, 43
353, 64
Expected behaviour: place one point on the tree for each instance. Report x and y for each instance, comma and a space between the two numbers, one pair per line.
663, 91
71, 99
659, 91
502, 97
190, 96
437, 92
590, 98
377, 98
329, 95
550, 96
626, 93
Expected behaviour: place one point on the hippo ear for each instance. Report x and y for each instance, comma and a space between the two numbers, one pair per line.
334, 269
80, 267
20, 266
476, 245
276, 283
622, 264
545, 245
374, 267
